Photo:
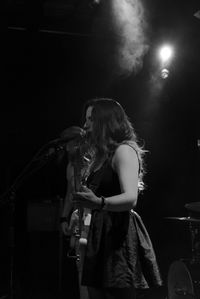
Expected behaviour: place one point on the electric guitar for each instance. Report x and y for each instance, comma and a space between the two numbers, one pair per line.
81, 217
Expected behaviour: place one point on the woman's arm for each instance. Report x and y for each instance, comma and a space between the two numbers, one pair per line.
125, 163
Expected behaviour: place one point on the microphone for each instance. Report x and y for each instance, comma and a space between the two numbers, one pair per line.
69, 134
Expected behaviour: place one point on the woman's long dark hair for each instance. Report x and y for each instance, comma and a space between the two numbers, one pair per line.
111, 127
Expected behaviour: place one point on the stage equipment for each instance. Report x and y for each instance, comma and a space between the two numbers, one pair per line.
164, 73
193, 209
184, 274
184, 280
165, 54
194, 229
184, 219
45, 154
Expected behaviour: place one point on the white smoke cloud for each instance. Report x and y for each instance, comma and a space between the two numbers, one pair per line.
121, 27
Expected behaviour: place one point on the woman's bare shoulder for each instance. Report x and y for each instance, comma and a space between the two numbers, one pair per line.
124, 153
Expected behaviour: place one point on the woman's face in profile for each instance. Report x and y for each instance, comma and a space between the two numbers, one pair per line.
88, 126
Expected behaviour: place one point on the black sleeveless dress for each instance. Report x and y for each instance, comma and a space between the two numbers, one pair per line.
119, 252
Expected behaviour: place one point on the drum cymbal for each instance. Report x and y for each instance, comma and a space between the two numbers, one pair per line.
193, 206
185, 219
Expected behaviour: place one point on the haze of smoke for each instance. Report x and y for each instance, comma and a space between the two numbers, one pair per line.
121, 26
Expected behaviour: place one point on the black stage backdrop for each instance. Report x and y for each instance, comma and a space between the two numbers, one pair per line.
50, 75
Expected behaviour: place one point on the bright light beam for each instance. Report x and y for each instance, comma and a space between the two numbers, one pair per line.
165, 53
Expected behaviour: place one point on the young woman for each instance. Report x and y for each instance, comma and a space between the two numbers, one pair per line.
114, 261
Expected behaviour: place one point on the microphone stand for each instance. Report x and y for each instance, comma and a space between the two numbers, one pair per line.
40, 159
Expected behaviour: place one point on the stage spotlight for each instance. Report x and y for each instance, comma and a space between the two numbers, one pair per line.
164, 73
165, 54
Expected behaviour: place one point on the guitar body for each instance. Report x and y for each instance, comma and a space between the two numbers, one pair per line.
85, 228
78, 243
79, 235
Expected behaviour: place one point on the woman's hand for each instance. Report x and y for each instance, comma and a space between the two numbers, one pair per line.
70, 228
86, 198
65, 228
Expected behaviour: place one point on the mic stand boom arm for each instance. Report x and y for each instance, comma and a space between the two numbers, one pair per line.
40, 159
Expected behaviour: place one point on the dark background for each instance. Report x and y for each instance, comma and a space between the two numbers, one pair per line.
53, 66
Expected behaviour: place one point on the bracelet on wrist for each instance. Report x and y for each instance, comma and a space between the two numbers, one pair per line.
103, 203
63, 219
